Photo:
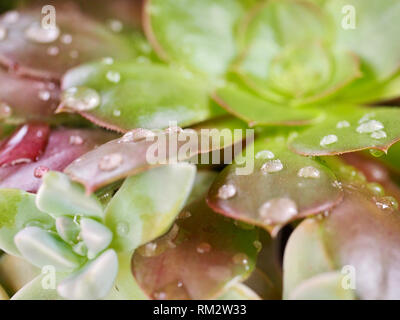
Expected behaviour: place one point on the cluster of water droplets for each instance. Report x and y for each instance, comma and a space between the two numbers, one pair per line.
80, 99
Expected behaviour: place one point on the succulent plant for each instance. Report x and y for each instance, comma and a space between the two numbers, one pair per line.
314, 86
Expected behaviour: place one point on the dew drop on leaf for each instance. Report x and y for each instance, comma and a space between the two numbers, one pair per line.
309, 172
380, 134
272, 166
113, 76
53, 51
226, 191
369, 126
81, 99
376, 188
66, 38
44, 95
265, 154
203, 247
387, 203
376, 153
40, 171
36, 33
342, 124
329, 139
110, 162
137, 135
278, 211
75, 140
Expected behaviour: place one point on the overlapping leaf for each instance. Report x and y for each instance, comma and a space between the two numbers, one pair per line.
197, 259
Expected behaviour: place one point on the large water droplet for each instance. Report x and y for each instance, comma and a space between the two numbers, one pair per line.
265, 154
113, 76
380, 134
110, 162
278, 211
203, 247
226, 191
44, 95
376, 189
81, 98
272, 166
342, 124
11, 17
36, 33
329, 139
369, 126
387, 203
115, 25
309, 172
75, 140
376, 153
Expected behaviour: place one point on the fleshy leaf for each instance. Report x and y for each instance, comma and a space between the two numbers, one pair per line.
25, 145
59, 196
257, 111
18, 210
141, 150
146, 204
3, 294
360, 234
201, 255
198, 34
359, 26
30, 50
274, 187
64, 146
135, 95
348, 129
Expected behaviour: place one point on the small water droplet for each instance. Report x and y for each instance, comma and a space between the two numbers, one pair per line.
369, 126
329, 139
366, 117
44, 95
75, 140
309, 172
40, 171
272, 166
11, 17
36, 33
81, 98
241, 259
115, 25
53, 51
380, 134
116, 113
122, 228
107, 60
376, 153
376, 189
278, 211
203, 247
66, 39
5, 111
3, 33
148, 250
110, 162
137, 135
265, 154
226, 191
387, 203
258, 245
337, 184
113, 76
342, 124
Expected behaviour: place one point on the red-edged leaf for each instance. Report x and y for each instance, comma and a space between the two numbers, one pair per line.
281, 187
26, 99
26, 144
197, 259
28, 51
64, 146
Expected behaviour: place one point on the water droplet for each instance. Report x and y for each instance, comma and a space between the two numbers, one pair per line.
5, 111
376, 153
366, 117
203, 247
376, 189
75, 140
369, 126
378, 134
278, 211
36, 33
44, 95
329, 139
81, 98
110, 162
107, 60
226, 191
113, 76
137, 135
40, 171
241, 259
11, 17
309, 172
258, 245
122, 228
115, 25
387, 203
342, 124
337, 184
53, 51
116, 113
66, 39
265, 154
74, 54
272, 166
3, 33
148, 250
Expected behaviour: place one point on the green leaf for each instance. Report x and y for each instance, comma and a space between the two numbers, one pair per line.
202, 255
239, 291
59, 196
372, 19
348, 129
135, 95
273, 186
18, 210
146, 204
257, 111
198, 34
